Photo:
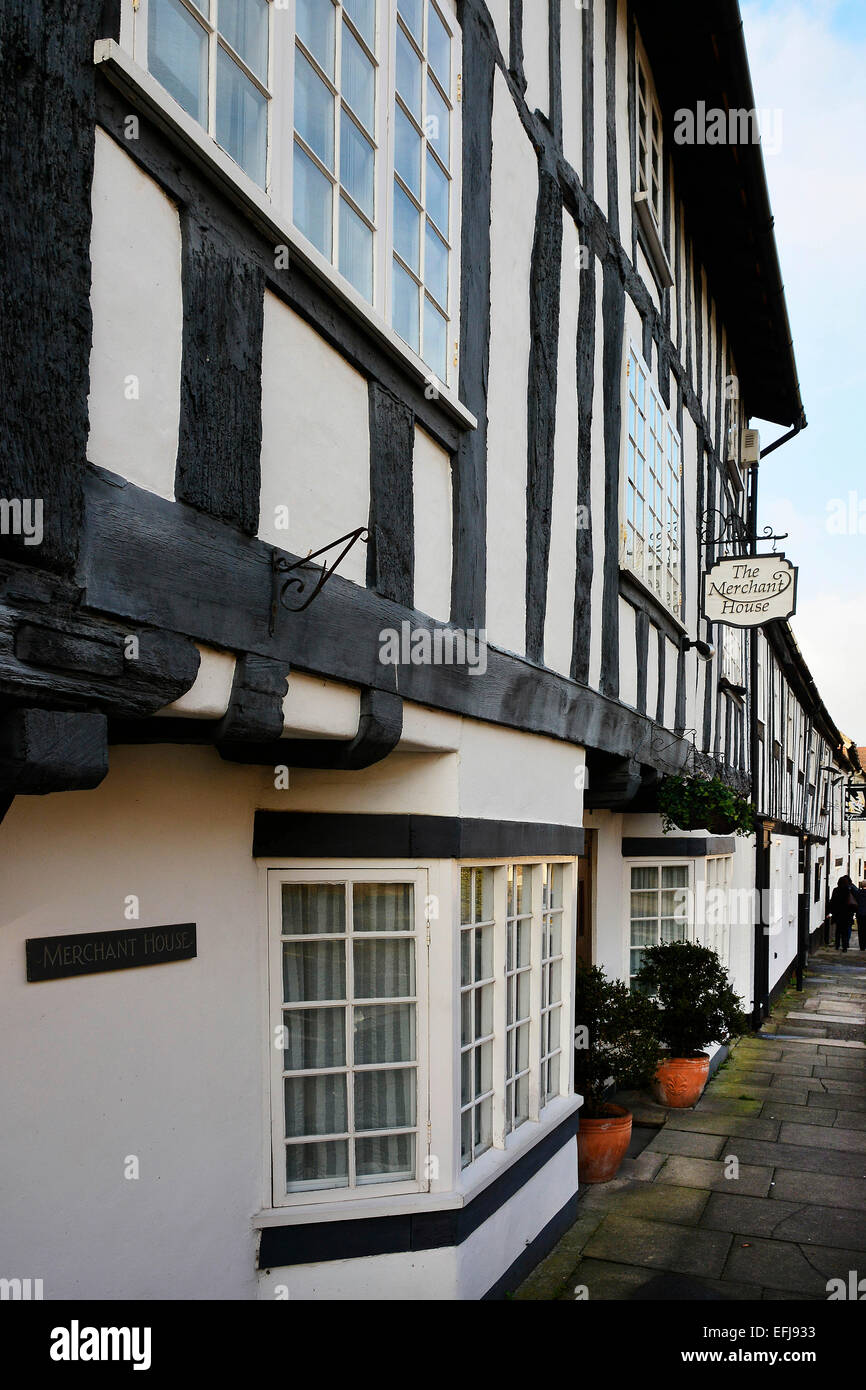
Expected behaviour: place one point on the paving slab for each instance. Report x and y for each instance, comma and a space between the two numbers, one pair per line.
823, 1137
819, 1189
823, 1226
748, 1090
774, 1263
841, 1099
731, 1124
693, 1144
652, 1201
800, 1114
548, 1279
660, 1245
605, 1281
748, 1216
805, 1157
726, 1105
745, 1067
753, 1181
849, 1119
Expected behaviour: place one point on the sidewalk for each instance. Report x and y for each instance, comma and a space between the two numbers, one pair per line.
790, 1106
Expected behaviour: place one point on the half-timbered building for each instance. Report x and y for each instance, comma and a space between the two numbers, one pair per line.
431, 292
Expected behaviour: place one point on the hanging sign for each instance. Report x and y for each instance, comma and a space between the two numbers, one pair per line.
750, 590
54, 957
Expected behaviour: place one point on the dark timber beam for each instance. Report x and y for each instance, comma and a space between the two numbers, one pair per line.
220, 435
379, 730
44, 751
390, 550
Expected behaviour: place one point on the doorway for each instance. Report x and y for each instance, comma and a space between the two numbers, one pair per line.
584, 946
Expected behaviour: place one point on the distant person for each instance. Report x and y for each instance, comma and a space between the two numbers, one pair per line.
860, 895
843, 908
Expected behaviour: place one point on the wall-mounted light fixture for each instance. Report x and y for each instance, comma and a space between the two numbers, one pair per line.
703, 649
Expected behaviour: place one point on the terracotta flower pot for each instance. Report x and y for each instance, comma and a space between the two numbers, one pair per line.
601, 1144
680, 1081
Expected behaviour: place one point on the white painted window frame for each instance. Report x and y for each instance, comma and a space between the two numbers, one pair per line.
645, 132
640, 573
344, 873
652, 863
504, 1137
717, 934
280, 147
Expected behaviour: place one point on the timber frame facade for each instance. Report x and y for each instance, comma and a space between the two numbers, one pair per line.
198, 399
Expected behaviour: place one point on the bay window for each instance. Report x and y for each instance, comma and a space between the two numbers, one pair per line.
515, 957
345, 113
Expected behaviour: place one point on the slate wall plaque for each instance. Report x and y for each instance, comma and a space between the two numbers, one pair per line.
55, 957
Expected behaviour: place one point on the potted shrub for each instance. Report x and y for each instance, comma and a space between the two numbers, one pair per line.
696, 1006
704, 803
615, 1041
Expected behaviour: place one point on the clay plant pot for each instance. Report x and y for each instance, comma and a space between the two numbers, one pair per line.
601, 1144
679, 1081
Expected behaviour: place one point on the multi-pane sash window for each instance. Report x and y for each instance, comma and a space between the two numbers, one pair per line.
518, 964
516, 952
422, 181
477, 982
717, 932
334, 162
659, 908
732, 654
651, 526
349, 1034
649, 139
551, 979
213, 57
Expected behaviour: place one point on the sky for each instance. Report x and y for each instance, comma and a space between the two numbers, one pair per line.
808, 61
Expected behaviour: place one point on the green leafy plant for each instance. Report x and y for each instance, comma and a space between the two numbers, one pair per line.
615, 1038
695, 1000
696, 803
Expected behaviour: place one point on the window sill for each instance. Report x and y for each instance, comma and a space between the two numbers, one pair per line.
652, 242
470, 1183
138, 84
633, 587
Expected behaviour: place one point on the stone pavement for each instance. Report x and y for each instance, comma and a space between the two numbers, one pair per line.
682, 1221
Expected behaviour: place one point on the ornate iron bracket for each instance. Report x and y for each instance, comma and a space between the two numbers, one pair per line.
731, 532
301, 573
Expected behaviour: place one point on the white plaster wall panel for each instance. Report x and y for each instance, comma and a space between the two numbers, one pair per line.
652, 673
504, 1237
500, 13
623, 152
571, 68
536, 56
627, 655
597, 491
559, 625
425, 728
433, 530
208, 696
610, 916
671, 660
506, 775
137, 306
644, 271
416, 1276
315, 441
633, 331
784, 904
741, 935
514, 196
600, 104
401, 784
163, 1063
320, 708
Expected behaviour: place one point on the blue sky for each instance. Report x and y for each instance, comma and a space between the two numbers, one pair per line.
809, 61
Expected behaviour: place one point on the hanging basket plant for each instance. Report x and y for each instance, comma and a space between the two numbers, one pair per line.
704, 803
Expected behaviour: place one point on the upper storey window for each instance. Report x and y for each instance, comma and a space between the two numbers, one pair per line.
213, 57
651, 521
649, 138
345, 112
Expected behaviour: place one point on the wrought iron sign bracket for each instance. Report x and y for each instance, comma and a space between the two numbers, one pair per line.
297, 575
730, 530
